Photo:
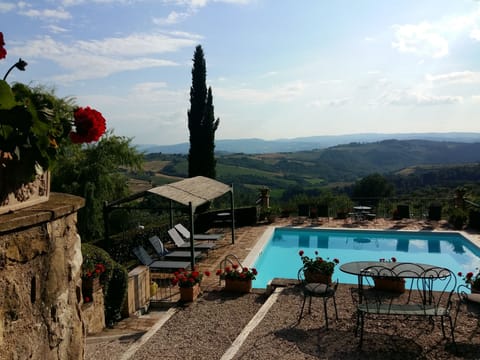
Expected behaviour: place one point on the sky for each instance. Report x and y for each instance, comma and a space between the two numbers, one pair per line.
278, 68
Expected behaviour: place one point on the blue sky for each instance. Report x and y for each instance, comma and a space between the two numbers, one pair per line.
278, 68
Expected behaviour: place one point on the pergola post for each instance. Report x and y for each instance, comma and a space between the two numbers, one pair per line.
192, 242
171, 214
232, 211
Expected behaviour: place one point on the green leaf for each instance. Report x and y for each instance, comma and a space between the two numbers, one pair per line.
7, 99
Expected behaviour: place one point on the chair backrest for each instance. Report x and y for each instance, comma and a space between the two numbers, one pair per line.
433, 285
142, 255
183, 230
157, 245
176, 238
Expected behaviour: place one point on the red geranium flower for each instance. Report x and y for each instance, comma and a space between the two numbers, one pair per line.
186, 279
236, 272
89, 124
3, 51
318, 263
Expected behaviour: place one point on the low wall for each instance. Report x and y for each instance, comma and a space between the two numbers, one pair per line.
40, 263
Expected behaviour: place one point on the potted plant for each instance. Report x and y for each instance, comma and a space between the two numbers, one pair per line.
237, 279
343, 204
472, 280
91, 278
188, 283
34, 125
318, 269
391, 284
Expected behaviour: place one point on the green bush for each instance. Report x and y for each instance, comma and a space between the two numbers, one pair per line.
94, 255
458, 218
116, 294
114, 280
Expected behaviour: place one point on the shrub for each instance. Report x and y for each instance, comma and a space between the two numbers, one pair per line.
457, 218
116, 294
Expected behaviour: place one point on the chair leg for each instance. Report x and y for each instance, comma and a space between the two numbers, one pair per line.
362, 321
325, 311
335, 307
452, 333
357, 325
303, 306
442, 320
310, 304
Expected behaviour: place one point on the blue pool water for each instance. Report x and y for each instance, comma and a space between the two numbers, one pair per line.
280, 258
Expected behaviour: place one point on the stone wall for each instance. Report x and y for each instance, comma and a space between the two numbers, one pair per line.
40, 263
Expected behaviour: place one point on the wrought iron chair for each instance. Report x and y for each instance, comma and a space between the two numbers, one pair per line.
430, 294
323, 291
471, 301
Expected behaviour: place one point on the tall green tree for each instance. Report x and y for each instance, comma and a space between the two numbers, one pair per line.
94, 172
201, 121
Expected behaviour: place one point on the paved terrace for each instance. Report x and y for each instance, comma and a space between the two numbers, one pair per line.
246, 239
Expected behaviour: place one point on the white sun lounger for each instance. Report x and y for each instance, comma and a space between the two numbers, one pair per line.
182, 230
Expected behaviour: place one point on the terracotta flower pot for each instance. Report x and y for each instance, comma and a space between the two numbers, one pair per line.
189, 294
239, 286
389, 284
317, 277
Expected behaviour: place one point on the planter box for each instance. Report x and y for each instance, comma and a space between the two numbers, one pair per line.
317, 277
388, 284
24, 195
239, 286
189, 294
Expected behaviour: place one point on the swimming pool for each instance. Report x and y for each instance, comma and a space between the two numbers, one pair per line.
279, 257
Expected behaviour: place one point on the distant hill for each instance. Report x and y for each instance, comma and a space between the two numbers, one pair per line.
259, 146
336, 164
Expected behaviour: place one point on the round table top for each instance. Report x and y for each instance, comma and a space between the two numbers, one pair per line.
401, 269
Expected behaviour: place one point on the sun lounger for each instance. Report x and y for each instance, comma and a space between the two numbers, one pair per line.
158, 265
175, 254
182, 230
182, 244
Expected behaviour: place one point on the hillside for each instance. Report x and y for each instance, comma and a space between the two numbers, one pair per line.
260, 146
332, 166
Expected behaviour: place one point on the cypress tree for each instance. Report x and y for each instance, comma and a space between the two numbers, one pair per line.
201, 121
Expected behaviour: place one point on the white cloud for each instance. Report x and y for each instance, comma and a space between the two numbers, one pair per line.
100, 58
283, 93
459, 77
6, 7
422, 39
331, 103
172, 18
409, 98
269, 74
475, 34
47, 14
133, 45
56, 29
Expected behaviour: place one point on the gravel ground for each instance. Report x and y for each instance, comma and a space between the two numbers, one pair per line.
206, 329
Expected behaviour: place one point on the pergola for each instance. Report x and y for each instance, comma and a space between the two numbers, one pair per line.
192, 193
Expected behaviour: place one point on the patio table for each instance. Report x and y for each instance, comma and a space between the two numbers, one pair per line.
402, 270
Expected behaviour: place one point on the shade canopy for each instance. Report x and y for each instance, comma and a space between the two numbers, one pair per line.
195, 191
